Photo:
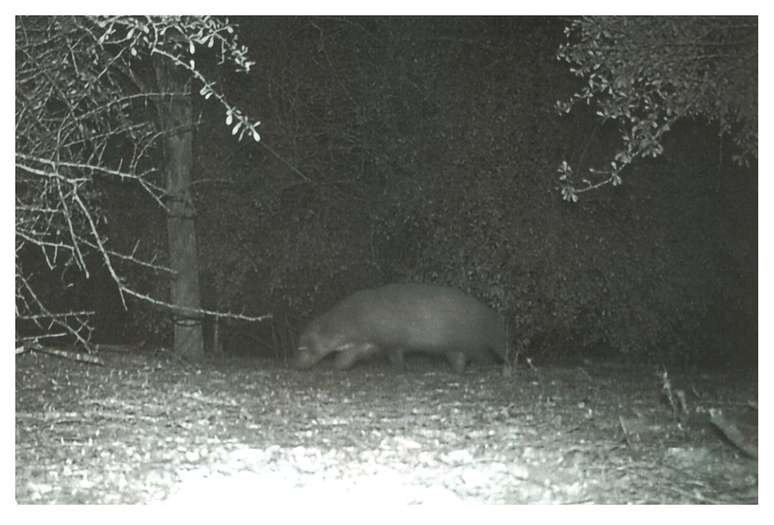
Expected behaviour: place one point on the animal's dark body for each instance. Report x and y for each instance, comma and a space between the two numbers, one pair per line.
399, 318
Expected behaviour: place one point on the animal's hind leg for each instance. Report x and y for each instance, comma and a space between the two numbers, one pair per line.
395, 356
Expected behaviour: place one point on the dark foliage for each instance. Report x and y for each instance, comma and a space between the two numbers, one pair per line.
422, 149
417, 150
644, 74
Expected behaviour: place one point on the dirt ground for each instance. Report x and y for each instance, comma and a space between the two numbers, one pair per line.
148, 428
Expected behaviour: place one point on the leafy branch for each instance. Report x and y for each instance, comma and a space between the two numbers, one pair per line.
646, 73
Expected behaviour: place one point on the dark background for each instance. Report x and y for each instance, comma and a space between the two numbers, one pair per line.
425, 150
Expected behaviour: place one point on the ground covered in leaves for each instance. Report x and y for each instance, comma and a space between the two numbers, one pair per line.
147, 428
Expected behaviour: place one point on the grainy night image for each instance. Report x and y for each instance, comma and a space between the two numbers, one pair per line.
388, 260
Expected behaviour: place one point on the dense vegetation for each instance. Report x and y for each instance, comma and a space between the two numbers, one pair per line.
425, 149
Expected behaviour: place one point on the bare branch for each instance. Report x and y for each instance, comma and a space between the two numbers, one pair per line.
82, 114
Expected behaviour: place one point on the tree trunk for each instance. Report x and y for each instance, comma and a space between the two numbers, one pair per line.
175, 118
